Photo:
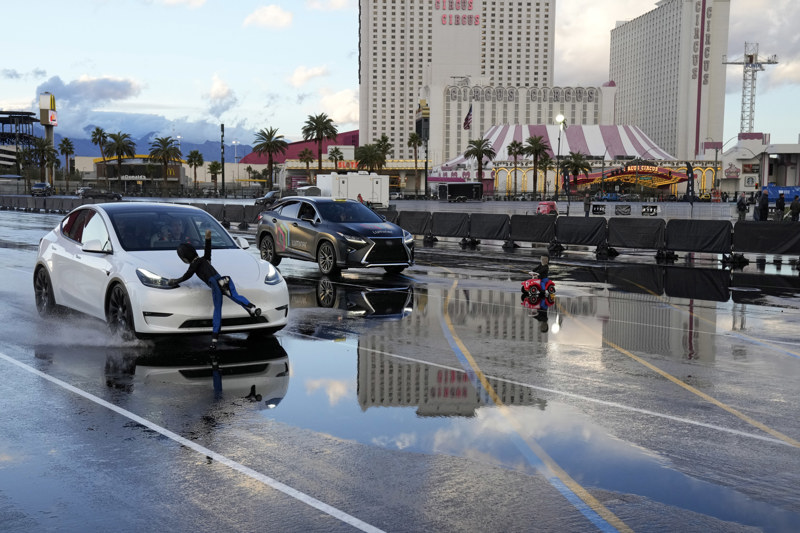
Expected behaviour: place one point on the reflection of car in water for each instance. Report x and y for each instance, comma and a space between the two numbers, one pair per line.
256, 369
378, 300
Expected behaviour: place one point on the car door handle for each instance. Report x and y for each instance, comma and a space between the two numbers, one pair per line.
294, 224
274, 220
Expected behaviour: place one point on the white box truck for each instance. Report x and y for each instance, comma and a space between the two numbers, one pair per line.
364, 186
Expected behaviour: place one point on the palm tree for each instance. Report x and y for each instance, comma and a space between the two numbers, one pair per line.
120, 145
536, 147
214, 168
306, 156
44, 154
414, 142
194, 160
546, 163
66, 148
572, 165
335, 155
480, 149
99, 139
515, 149
164, 150
318, 128
269, 142
369, 157
385, 148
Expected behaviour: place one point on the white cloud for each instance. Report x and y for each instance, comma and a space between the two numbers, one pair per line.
342, 106
221, 97
269, 17
190, 3
336, 390
302, 75
330, 5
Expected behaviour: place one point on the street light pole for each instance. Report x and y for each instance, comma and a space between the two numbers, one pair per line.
559, 171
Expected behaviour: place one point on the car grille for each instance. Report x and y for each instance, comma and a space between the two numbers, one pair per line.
226, 322
387, 251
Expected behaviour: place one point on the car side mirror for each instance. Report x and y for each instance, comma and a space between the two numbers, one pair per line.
242, 242
95, 246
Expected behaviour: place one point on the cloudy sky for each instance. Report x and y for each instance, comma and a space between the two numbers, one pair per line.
182, 67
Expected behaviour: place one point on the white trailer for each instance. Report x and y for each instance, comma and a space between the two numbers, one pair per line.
370, 187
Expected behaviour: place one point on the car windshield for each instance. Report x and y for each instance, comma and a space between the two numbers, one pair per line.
150, 229
347, 212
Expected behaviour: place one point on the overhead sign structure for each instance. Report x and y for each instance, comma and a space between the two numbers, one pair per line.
47, 110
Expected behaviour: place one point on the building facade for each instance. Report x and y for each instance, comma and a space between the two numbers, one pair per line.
667, 65
405, 45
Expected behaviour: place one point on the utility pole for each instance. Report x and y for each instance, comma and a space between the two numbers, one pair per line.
751, 63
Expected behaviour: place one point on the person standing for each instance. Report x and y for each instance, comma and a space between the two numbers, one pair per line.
780, 207
794, 208
763, 206
587, 205
741, 206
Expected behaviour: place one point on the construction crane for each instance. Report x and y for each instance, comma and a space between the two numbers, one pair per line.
752, 64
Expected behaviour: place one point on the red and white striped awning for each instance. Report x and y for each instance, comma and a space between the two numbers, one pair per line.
594, 142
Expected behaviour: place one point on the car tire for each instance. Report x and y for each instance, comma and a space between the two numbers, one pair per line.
267, 249
43, 293
326, 259
119, 314
326, 293
394, 269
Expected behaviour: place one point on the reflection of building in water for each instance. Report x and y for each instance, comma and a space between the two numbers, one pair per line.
386, 381
650, 324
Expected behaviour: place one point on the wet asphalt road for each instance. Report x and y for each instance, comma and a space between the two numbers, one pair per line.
649, 398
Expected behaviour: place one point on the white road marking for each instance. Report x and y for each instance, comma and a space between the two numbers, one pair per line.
266, 480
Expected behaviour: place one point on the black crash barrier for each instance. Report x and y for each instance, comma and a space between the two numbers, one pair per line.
489, 226
389, 214
710, 236
234, 213
446, 224
414, 222
697, 283
766, 238
199, 205
215, 210
533, 228
637, 233
581, 230
251, 213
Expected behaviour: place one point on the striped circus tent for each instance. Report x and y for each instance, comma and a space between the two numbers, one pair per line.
595, 142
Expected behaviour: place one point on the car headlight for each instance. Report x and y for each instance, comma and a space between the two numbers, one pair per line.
352, 239
149, 279
407, 237
273, 277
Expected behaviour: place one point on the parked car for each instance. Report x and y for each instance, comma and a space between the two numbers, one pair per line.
547, 208
99, 194
268, 199
41, 189
102, 260
395, 196
335, 233
80, 190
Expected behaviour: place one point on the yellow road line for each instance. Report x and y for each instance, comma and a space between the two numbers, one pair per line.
693, 390
565, 478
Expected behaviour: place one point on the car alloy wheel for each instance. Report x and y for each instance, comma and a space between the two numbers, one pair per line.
43, 292
326, 259
119, 314
267, 249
